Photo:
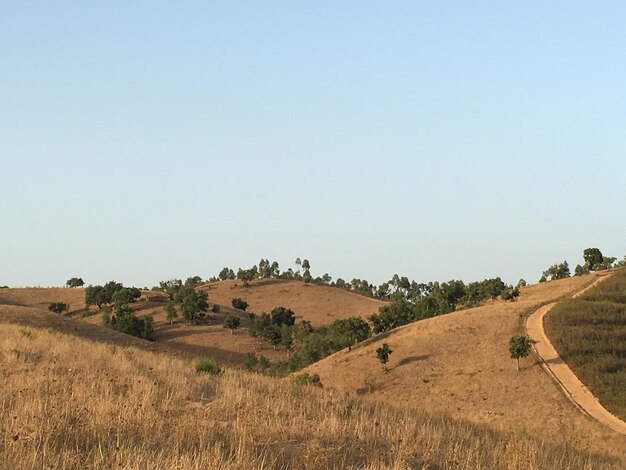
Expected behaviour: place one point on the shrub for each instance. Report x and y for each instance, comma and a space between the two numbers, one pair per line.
239, 304
215, 308
58, 307
231, 322
307, 379
383, 354
208, 365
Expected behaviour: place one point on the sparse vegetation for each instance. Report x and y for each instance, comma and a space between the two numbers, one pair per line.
173, 417
208, 365
58, 307
170, 312
383, 354
589, 333
231, 322
239, 304
519, 347
75, 282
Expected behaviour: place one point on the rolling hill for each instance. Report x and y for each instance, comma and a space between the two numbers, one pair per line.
315, 303
458, 364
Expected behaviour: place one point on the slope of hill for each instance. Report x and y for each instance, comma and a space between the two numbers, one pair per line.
72, 403
318, 304
458, 364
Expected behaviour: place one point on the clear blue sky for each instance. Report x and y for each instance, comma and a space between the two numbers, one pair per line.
141, 141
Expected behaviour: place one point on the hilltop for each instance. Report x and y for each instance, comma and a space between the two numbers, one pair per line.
458, 364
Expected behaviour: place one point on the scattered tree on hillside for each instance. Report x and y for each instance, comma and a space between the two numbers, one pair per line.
95, 295
350, 331
593, 258
239, 304
519, 346
557, 271
542, 278
125, 296
283, 316
58, 307
246, 275
231, 322
127, 322
193, 304
521, 283
170, 287
383, 354
75, 282
193, 281
510, 294
226, 273
170, 312
580, 270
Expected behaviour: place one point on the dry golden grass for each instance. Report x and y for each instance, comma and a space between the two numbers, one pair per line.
458, 365
69, 403
320, 305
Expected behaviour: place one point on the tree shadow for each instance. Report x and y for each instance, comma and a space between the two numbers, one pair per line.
410, 359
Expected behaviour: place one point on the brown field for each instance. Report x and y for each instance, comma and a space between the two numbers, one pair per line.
69, 403
458, 365
318, 304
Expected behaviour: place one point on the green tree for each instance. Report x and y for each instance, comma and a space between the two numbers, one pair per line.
127, 322
283, 316
557, 271
170, 312
246, 275
193, 281
95, 295
231, 322
519, 346
58, 307
350, 331
193, 304
239, 304
75, 282
226, 273
383, 354
125, 296
593, 258
170, 287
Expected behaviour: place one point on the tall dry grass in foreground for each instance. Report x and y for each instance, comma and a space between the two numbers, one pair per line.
69, 403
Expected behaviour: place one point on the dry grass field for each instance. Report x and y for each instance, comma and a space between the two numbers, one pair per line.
69, 403
318, 304
458, 365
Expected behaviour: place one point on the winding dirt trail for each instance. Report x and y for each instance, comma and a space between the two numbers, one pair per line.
552, 363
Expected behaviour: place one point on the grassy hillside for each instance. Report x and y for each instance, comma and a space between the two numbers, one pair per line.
458, 364
71, 403
318, 304
589, 333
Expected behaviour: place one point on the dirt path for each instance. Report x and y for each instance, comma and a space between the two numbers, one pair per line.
552, 363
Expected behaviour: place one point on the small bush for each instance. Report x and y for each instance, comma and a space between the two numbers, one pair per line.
239, 304
208, 365
215, 308
58, 307
25, 332
307, 379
